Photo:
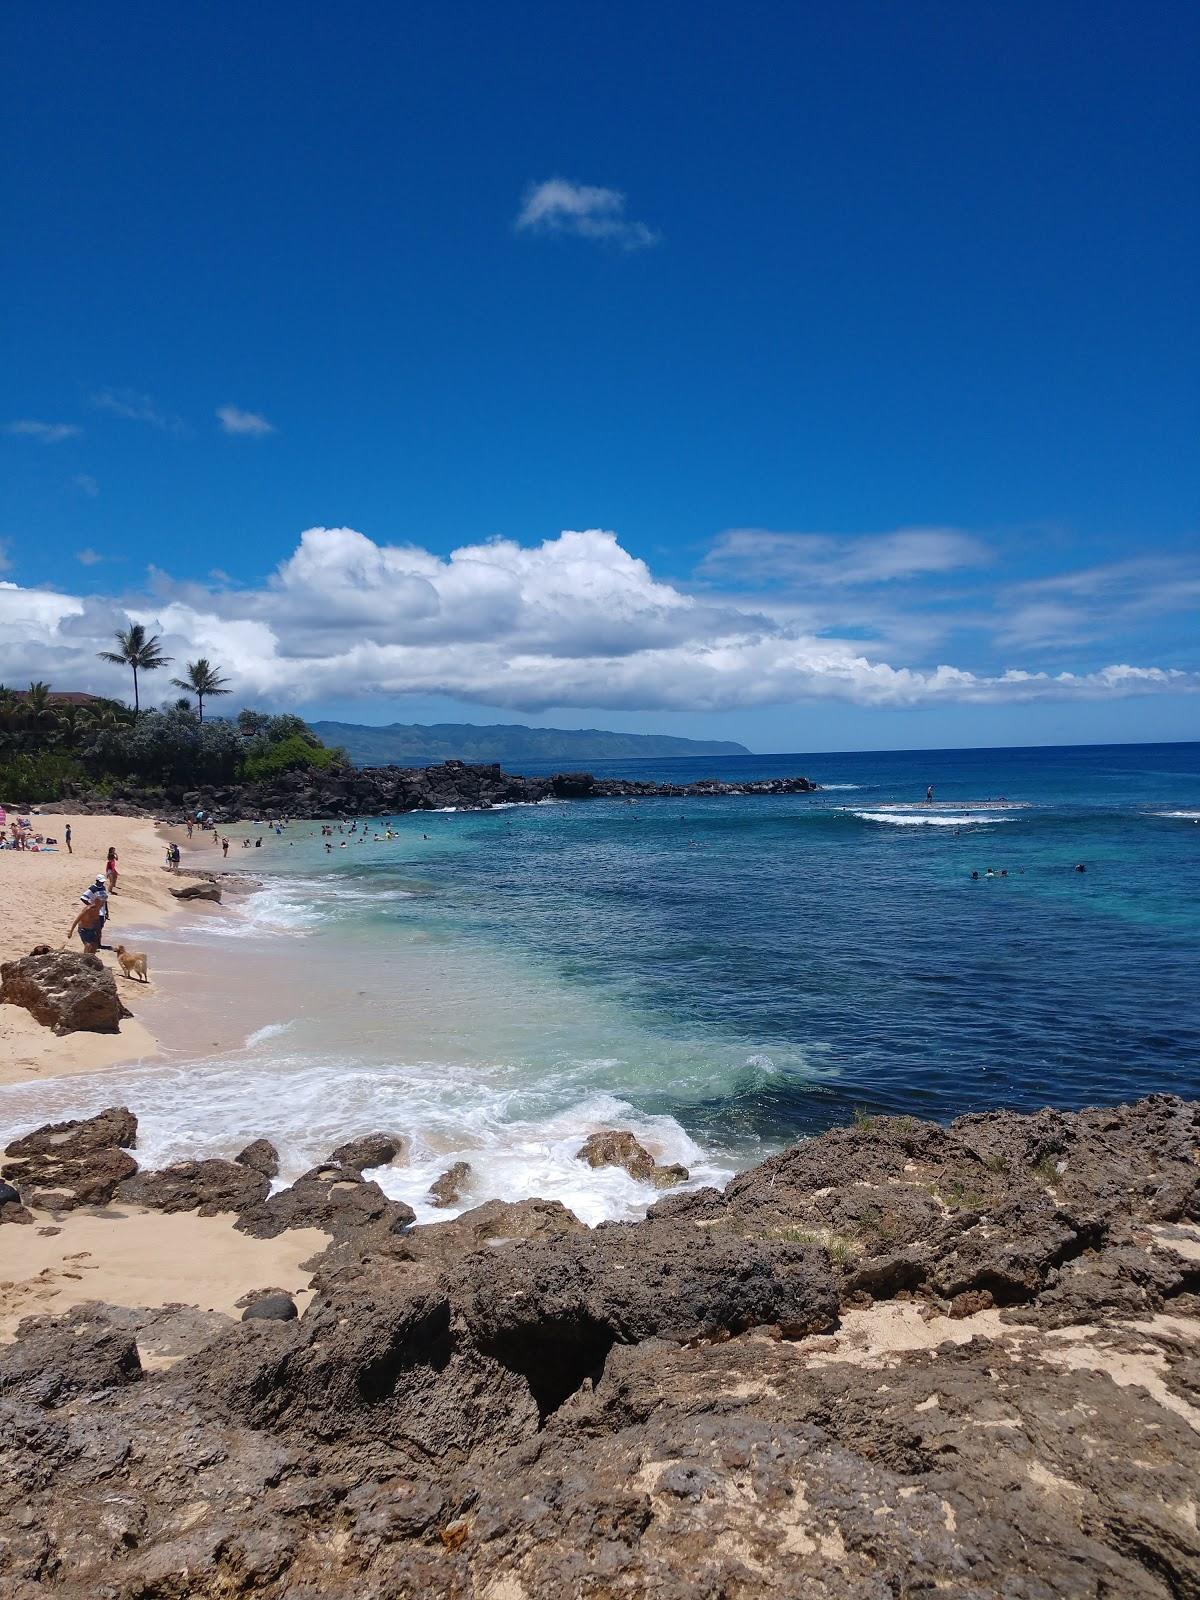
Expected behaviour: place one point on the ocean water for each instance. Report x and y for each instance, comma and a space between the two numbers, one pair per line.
722, 975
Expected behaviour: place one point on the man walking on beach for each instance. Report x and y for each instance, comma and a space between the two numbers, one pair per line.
90, 922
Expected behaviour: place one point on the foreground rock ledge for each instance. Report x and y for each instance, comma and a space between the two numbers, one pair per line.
896, 1360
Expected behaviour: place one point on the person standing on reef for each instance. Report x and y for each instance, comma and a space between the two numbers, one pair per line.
929, 795
67, 839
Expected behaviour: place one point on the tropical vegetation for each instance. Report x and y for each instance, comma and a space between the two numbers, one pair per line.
51, 747
138, 652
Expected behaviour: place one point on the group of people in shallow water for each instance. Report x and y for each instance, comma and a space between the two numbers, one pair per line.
1003, 873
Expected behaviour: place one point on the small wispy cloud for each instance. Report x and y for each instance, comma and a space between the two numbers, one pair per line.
584, 210
247, 423
86, 484
760, 555
44, 432
5, 563
88, 556
136, 407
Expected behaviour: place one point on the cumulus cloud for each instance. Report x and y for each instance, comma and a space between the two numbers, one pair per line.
136, 407
576, 621
582, 209
248, 423
43, 432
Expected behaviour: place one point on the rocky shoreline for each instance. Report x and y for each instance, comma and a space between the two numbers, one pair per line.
392, 791
898, 1359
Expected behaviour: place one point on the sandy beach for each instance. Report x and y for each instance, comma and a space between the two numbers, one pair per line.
40, 892
124, 1255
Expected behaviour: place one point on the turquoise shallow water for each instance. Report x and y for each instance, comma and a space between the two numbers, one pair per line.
725, 975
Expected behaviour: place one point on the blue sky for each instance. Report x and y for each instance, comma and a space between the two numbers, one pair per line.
857, 341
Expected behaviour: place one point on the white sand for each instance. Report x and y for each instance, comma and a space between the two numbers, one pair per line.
40, 893
129, 1256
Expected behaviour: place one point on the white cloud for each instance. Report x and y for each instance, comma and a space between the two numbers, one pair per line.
249, 423
44, 432
88, 557
582, 209
758, 555
575, 621
86, 484
136, 407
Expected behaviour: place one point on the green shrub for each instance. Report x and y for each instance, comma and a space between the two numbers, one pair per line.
293, 754
37, 775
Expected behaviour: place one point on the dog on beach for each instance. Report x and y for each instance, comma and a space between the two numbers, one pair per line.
131, 963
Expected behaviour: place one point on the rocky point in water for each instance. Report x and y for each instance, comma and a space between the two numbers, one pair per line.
391, 791
895, 1360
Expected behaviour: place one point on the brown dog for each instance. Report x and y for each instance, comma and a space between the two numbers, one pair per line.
131, 963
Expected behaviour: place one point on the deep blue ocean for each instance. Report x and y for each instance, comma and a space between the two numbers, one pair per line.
723, 975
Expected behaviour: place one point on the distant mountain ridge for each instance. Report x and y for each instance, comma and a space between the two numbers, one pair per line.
413, 744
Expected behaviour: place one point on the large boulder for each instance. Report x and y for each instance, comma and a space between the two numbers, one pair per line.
370, 1150
199, 891
617, 1147
63, 990
206, 1186
448, 1189
67, 1164
261, 1156
335, 1198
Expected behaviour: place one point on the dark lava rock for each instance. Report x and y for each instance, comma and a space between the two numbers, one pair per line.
116, 1126
619, 1148
447, 1190
508, 1405
260, 1156
335, 1198
371, 1150
65, 991
14, 1211
56, 1360
68, 1164
271, 1308
199, 891
206, 1186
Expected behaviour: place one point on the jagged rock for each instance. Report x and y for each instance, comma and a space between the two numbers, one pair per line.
65, 991
56, 1360
14, 1211
496, 1224
335, 1198
509, 1405
207, 1186
260, 1156
370, 1150
67, 1164
199, 891
619, 1148
271, 1308
447, 1190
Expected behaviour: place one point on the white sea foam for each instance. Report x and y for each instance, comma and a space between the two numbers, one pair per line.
902, 819
272, 1030
517, 1142
1183, 816
841, 786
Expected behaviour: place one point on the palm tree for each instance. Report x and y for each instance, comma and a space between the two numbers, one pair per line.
138, 652
202, 680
